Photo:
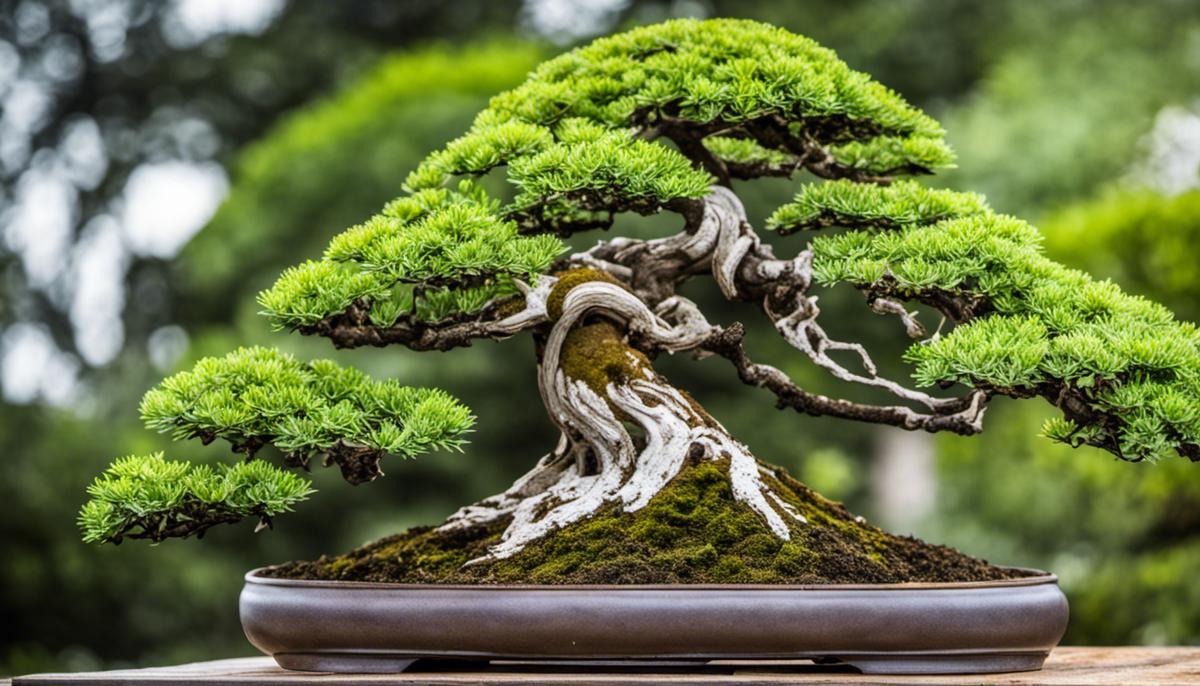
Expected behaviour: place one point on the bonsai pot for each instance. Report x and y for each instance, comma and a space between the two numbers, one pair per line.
911, 628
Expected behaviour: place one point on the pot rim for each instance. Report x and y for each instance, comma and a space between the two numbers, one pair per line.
1040, 577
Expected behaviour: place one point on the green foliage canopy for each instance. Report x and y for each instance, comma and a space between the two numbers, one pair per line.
583, 140
579, 141
1125, 373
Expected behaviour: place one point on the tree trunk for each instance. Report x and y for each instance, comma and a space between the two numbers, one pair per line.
626, 431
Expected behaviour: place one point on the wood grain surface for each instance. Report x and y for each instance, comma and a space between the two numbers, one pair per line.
1066, 667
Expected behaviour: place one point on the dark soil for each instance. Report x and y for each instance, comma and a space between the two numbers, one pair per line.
693, 532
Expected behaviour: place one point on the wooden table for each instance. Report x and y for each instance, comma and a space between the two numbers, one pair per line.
1066, 666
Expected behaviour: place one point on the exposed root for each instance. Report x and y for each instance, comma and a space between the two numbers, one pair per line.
631, 472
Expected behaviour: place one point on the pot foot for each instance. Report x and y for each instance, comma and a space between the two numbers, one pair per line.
343, 663
954, 663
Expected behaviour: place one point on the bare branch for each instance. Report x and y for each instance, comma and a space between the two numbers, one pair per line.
958, 307
646, 326
691, 146
772, 132
958, 415
800, 328
745, 268
654, 268
747, 171
807, 147
909, 319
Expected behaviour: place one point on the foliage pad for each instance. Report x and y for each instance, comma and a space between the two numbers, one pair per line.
425, 257
258, 396
1124, 371
146, 496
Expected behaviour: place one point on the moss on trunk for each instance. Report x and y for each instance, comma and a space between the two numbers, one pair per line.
693, 531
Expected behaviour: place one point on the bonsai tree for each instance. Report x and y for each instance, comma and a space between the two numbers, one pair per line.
644, 483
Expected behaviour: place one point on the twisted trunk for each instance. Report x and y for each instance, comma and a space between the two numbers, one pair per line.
626, 431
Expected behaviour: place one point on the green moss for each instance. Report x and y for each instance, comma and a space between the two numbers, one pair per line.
691, 532
793, 560
597, 355
340, 565
568, 280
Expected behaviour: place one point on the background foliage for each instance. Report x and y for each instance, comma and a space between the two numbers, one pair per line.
1072, 114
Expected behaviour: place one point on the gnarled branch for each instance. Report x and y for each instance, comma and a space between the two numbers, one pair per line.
723, 242
958, 415
353, 328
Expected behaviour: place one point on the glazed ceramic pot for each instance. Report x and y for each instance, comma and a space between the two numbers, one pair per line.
912, 628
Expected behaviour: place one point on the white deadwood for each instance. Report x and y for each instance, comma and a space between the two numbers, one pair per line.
531, 315
597, 461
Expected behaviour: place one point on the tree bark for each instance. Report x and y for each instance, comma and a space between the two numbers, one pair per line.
626, 431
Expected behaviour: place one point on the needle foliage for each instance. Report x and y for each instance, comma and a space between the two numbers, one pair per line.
1125, 372
582, 139
258, 396
254, 397
147, 496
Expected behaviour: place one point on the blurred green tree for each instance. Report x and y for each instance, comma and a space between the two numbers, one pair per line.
61, 599
1063, 111
95, 90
